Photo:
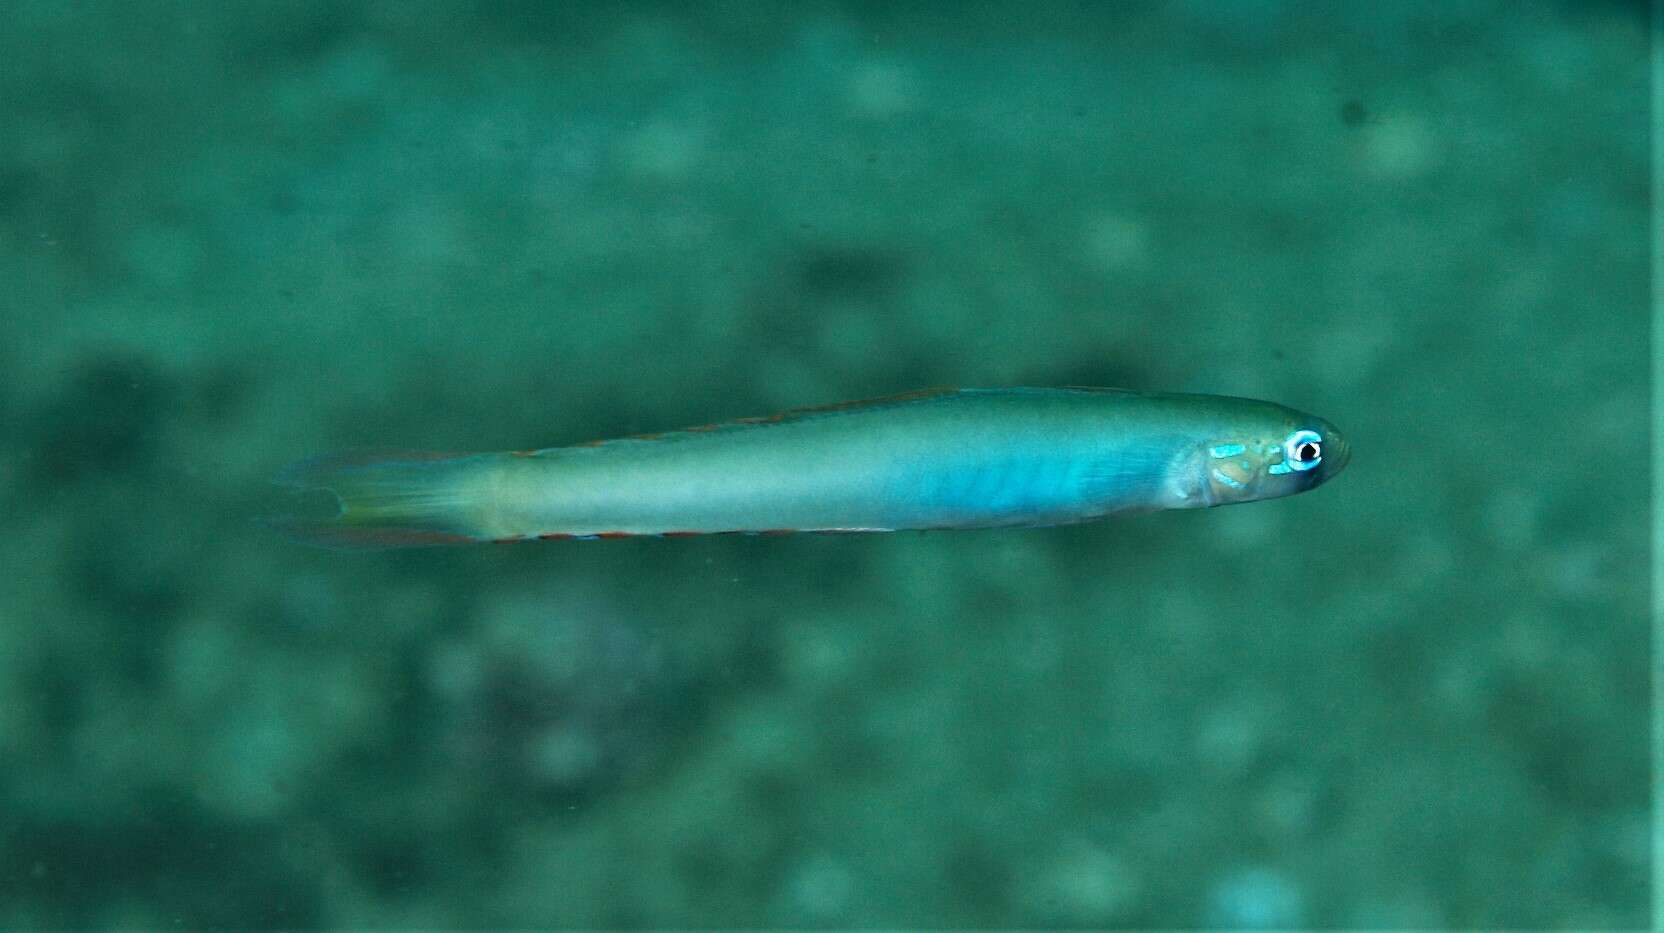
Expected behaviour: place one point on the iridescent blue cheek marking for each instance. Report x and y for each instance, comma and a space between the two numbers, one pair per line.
1234, 484
1222, 451
1279, 468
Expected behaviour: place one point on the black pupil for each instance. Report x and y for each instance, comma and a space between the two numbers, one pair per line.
1306, 453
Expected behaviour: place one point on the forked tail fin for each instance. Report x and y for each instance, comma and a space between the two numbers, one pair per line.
383, 498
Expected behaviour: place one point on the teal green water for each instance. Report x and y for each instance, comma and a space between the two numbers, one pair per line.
236, 234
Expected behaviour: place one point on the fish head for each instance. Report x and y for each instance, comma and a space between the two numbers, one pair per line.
1268, 452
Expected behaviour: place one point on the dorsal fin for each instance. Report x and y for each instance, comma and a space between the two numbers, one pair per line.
789, 415
815, 411
884, 401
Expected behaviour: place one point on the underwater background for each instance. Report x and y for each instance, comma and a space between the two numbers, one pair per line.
235, 234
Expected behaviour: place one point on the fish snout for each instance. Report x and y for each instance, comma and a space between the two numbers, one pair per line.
1336, 450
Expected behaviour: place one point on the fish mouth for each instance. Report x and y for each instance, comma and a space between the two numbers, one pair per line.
1336, 451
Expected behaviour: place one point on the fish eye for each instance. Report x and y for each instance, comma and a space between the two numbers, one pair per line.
1303, 450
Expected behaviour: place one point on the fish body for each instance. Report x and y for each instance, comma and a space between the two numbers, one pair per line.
953, 458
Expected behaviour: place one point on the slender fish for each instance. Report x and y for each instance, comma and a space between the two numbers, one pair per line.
941, 458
